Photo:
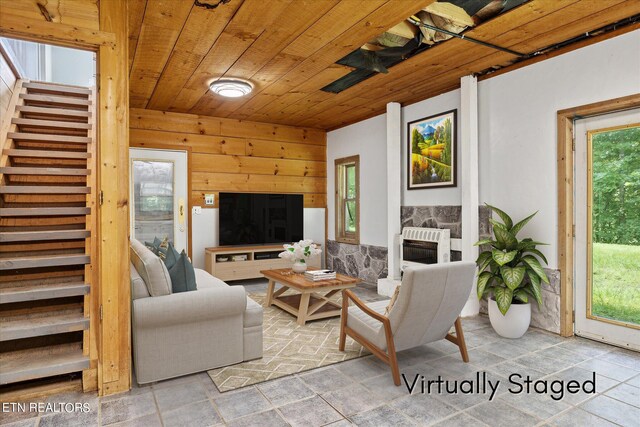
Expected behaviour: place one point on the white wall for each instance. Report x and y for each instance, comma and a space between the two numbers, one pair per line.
368, 139
54, 63
517, 132
72, 66
205, 231
430, 107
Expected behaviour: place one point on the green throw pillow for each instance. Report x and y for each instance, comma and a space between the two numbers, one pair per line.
183, 276
171, 257
159, 247
154, 246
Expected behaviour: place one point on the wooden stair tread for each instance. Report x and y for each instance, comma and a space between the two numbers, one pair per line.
55, 99
12, 170
53, 323
17, 152
42, 291
43, 261
50, 124
29, 236
52, 87
50, 111
24, 136
44, 362
44, 211
43, 189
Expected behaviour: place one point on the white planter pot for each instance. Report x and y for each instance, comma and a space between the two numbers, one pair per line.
299, 267
514, 324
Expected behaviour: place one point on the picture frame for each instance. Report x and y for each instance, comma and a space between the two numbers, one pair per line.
431, 151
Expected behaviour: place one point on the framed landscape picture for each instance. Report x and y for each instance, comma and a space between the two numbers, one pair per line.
431, 153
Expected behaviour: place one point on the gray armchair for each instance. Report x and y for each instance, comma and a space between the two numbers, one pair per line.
428, 305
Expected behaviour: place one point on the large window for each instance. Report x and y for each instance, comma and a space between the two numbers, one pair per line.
347, 200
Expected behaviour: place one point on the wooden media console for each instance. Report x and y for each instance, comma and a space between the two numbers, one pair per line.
257, 258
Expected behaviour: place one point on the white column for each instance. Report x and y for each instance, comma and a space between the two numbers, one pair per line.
394, 190
470, 180
394, 186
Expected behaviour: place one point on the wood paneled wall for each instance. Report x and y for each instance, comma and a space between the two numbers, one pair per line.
233, 155
7, 81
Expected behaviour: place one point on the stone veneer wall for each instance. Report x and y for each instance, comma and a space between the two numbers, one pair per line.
445, 217
366, 262
449, 217
369, 263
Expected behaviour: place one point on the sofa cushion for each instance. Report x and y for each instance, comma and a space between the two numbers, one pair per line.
366, 325
151, 269
206, 280
183, 278
138, 287
252, 314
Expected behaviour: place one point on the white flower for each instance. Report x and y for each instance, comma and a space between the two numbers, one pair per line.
300, 251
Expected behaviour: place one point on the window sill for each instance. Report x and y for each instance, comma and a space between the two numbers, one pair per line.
348, 241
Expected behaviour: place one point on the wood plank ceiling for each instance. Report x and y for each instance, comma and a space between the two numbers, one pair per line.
288, 50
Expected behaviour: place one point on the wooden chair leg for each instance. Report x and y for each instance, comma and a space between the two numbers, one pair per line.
461, 343
391, 352
343, 322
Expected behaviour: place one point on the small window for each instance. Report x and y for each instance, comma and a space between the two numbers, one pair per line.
348, 200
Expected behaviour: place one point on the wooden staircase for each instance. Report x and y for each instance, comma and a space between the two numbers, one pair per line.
47, 235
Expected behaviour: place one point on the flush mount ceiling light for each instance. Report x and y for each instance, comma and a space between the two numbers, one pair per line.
231, 88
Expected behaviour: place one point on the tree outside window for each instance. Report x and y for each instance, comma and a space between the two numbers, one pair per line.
347, 200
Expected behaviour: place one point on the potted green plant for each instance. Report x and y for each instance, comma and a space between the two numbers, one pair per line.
510, 275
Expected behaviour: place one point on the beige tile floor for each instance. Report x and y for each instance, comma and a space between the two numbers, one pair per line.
361, 392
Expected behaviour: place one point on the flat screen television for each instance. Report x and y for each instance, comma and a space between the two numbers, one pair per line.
256, 218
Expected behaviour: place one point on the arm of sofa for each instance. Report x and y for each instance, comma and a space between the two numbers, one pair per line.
188, 307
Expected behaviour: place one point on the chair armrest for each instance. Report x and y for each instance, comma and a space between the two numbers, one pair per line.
189, 307
349, 295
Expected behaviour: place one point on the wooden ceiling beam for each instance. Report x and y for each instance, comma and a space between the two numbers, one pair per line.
76, 13
57, 34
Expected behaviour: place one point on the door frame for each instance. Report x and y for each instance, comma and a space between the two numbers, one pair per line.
566, 225
175, 147
113, 292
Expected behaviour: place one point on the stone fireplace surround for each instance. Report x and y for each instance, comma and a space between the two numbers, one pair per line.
369, 262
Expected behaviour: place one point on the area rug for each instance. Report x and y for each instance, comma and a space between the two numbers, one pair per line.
288, 349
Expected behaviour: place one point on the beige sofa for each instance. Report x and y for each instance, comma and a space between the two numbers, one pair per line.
179, 334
